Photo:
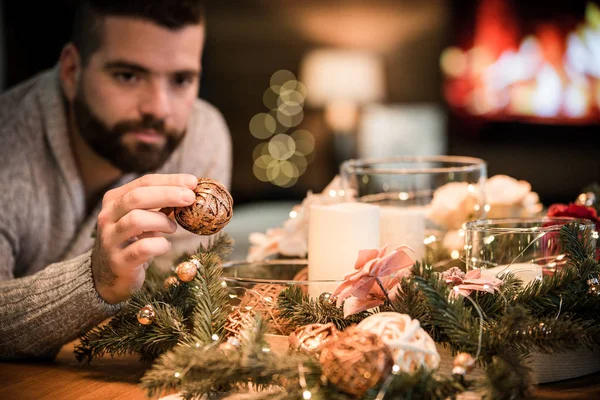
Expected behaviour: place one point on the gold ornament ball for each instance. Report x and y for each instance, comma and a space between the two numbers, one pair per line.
311, 338
327, 298
171, 281
210, 213
463, 364
356, 361
146, 315
186, 271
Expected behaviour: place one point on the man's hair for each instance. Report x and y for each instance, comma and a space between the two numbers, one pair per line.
171, 14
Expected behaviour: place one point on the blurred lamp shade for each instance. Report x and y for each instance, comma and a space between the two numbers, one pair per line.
341, 80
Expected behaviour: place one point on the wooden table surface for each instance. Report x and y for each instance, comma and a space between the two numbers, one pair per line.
117, 378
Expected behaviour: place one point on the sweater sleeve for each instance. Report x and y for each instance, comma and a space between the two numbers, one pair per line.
42, 312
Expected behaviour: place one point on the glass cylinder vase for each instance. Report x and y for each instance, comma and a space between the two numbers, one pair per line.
528, 247
424, 201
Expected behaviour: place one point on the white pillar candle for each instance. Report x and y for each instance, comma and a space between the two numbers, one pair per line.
335, 236
403, 226
526, 272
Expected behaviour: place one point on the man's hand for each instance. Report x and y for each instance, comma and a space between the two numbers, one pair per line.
130, 228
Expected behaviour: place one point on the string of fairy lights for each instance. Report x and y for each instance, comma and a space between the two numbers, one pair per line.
286, 151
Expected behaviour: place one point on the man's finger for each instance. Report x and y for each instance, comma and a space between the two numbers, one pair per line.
183, 180
143, 250
152, 197
138, 222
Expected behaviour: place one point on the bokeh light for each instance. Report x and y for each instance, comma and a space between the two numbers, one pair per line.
284, 157
262, 126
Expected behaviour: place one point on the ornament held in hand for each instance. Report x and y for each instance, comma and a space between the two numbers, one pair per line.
146, 315
356, 361
187, 270
311, 338
463, 364
211, 212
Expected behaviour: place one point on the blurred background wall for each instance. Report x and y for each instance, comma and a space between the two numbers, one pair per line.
409, 111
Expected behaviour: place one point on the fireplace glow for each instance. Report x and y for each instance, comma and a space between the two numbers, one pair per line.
548, 75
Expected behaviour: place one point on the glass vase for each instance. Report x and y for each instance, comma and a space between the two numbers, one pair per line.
424, 201
529, 247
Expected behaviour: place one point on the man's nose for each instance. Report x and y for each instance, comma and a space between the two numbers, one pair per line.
155, 100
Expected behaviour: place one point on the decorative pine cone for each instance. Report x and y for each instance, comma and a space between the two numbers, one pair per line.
211, 212
356, 361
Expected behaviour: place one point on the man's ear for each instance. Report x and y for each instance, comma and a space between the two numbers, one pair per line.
70, 70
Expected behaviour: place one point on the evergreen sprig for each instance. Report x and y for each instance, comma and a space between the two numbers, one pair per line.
125, 335
299, 309
187, 312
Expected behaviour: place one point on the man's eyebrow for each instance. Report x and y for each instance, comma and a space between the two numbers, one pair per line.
126, 65
139, 68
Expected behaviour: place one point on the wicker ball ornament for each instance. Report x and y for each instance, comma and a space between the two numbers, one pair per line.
356, 361
411, 346
262, 298
210, 213
311, 338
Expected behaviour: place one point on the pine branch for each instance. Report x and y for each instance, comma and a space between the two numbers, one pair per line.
211, 370
125, 335
220, 245
299, 309
450, 316
211, 310
507, 377
577, 249
565, 291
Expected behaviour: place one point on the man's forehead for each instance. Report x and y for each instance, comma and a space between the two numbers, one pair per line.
144, 42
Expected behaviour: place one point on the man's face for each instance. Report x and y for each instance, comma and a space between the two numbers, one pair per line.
137, 91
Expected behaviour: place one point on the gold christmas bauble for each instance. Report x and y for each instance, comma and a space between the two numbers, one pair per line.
187, 270
311, 338
210, 213
356, 361
463, 364
146, 315
170, 281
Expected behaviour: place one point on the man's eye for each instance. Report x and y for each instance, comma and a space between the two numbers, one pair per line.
183, 80
126, 77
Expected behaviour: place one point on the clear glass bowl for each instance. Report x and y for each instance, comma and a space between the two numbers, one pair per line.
424, 200
527, 247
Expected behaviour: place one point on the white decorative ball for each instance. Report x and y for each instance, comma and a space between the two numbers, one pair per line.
411, 346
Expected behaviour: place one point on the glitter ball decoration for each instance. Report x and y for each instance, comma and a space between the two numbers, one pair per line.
356, 361
311, 338
463, 364
146, 315
187, 270
262, 298
170, 281
237, 320
593, 285
411, 346
327, 298
210, 213
231, 344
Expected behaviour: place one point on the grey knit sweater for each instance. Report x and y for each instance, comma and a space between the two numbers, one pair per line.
47, 296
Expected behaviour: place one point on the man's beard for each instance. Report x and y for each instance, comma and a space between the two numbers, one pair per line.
108, 143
